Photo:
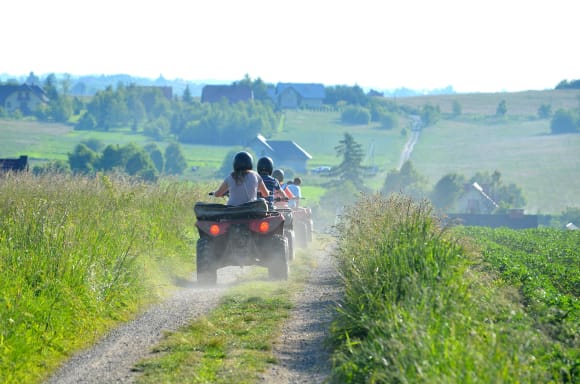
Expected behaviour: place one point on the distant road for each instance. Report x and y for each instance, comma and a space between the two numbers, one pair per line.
416, 126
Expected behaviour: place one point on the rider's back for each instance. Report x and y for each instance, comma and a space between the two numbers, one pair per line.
243, 191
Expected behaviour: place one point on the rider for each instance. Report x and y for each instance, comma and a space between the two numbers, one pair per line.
296, 190
265, 168
278, 174
243, 184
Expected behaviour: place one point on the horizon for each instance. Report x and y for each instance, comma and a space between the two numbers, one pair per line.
449, 89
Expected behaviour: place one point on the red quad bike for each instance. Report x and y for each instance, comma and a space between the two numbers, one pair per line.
303, 225
243, 235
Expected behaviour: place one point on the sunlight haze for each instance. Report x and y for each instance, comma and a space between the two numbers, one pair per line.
473, 46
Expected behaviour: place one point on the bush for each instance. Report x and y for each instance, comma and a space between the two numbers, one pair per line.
356, 115
564, 121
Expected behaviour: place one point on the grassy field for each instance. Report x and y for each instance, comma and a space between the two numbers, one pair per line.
485, 104
546, 167
41, 142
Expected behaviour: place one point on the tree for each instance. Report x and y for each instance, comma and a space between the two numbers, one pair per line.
564, 121
187, 98
83, 159
33, 79
407, 181
430, 114
140, 164
96, 145
447, 190
87, 122
50, 87
156, 156
501, 109
506, 195
356, 115
175, 162
354, 95
227, 165
259, 87
545, 111
456, 108
388, 120
352, 156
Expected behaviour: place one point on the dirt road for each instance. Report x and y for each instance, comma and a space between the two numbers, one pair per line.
416, 126
302, 356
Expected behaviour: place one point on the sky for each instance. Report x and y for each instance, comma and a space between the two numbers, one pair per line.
473, 46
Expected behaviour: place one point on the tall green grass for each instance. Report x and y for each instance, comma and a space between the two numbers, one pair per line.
420, 307
79, 254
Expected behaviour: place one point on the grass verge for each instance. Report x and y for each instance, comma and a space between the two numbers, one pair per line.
78, 255
424, 305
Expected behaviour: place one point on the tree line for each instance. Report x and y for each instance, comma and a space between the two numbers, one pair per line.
146, 163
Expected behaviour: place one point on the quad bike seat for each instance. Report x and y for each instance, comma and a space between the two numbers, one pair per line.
212, 211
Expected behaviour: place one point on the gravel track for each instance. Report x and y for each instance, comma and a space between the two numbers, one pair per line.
300, 350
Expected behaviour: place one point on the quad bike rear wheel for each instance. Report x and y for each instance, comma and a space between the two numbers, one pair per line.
278, 265
206, 268
291, 237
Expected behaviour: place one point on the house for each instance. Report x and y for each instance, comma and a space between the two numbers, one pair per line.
232, 93
475, 200
20, 164
286, 154
299, 95
26, 98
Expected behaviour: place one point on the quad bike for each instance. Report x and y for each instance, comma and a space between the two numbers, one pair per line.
244, 235
303, 225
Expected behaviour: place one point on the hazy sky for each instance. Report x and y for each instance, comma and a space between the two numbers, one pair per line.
474, 46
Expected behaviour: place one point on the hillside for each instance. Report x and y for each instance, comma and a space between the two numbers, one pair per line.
520, 146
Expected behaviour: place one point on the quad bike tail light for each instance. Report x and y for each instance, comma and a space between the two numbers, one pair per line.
212, 228
264, 227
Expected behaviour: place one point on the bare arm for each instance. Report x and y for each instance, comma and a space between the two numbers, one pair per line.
262, 188
283, 193
221, 191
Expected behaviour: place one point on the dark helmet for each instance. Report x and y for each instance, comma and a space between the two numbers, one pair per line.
265, 166
278, 174
243, 161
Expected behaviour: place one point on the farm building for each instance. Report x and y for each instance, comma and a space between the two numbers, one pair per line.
25, 98
286, 154
20, 164
298, 95
474, 200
